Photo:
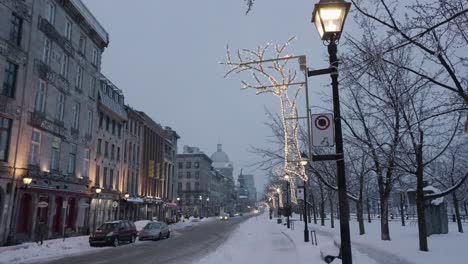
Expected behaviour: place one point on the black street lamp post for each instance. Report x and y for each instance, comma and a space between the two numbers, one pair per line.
329, 17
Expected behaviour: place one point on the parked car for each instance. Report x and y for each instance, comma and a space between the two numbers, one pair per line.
154, 230
113, 233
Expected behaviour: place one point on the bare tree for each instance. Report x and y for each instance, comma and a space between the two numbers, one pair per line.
437, 30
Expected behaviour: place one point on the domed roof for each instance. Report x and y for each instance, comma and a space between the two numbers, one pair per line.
220, 156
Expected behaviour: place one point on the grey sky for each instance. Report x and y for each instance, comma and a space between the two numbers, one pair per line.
164, 55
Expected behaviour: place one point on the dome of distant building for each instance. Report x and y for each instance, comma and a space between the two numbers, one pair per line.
222, 163
219, 156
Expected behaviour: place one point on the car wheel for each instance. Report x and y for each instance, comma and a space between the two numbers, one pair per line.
115, 242
133, 239
160, 236
168, 234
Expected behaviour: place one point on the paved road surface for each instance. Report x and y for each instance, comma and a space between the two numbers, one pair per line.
189, 245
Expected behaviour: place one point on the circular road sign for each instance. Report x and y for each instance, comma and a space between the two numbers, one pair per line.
322, 122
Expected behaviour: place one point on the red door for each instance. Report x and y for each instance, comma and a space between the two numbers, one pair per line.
23, 222
56, 227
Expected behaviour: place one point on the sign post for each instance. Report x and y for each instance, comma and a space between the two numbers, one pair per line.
323, 132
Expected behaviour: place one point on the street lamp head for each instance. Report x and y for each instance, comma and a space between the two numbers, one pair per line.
178, 198
126, 195
304, 162
329, 17
97, 189
200, 197
27, 181
286, 177
278, 190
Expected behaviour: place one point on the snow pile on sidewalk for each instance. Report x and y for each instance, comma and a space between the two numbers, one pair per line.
261, 240
51, 249
404, 246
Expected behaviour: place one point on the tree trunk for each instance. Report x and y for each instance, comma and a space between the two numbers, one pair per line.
402, 208
332, 220
457, 212
384, 228
314, 209
368, 210
360, 216
420, 200
322, 207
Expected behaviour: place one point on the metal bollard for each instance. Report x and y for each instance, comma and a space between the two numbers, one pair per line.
313, 237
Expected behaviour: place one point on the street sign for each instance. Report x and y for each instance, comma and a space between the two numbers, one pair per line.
323, 131
42, 204
300, 193
115, 204
65, 204
84, 205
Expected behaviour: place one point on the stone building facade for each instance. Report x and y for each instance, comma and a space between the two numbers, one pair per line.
107, 165
51, 56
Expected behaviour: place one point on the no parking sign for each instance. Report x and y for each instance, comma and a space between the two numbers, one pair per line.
323, 130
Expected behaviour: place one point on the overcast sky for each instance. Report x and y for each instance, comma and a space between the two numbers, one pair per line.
164, 55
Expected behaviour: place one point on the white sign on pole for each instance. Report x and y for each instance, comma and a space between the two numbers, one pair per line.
300, 194
65, 204
323, 130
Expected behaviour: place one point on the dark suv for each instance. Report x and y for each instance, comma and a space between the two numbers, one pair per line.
113, 233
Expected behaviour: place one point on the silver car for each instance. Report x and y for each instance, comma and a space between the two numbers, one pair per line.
154, 231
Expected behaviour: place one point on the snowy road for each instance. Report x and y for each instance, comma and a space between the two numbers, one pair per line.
188, 246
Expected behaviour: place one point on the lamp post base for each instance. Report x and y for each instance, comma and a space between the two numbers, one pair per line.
306, 235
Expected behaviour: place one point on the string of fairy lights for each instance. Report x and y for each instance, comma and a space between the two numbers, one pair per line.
276, 77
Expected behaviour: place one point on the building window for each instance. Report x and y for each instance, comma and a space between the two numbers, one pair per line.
82, 45
64, 66
50, 12
111, 177
68, 30
112, 151
113, 127
107, 123
118, 153
9, 80
197, 175
35, 147
179, 186
104, 178
94, 60
40, 97
86, 163
106, 149
97, 178
92, 88
72, 160
5, 130
60, 107
196, 164
188, 165
16, 29
119, 130
181, 165
79, 78
98, 151
55, 157
76, 116
189, 175
101, 118
125, 151
197, 186
89, 125
46, 51
180, 175
188, 186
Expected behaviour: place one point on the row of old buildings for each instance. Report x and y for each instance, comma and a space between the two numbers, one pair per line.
73, 154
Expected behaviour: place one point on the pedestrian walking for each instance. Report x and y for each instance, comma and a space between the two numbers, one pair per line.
41, 232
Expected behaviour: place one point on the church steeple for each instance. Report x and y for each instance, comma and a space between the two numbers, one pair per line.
220, 147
